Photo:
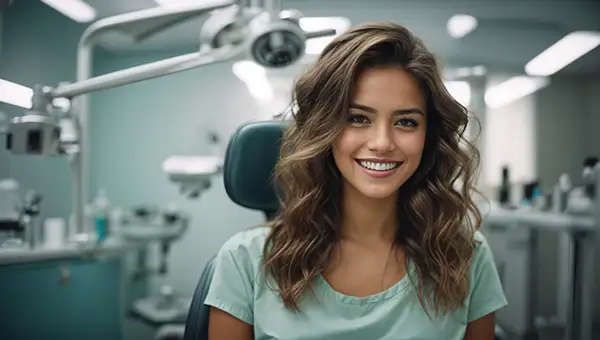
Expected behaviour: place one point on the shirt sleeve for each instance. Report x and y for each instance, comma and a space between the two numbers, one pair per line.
232, 287
486, 295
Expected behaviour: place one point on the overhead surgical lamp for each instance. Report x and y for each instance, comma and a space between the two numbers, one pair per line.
232, 30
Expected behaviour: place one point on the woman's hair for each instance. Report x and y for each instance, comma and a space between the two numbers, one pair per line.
437, 220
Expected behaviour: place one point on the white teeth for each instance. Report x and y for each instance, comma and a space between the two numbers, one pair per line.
379, 166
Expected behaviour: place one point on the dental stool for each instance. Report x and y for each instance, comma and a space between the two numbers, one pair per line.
250, 159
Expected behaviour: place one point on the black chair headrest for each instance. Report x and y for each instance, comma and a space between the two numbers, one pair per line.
250, 159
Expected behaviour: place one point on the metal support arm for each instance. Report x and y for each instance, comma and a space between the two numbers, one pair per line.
145, 72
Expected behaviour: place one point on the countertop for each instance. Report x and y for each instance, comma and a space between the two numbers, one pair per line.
9, 256
542, 220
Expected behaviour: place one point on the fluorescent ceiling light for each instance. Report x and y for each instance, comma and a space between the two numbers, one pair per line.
15, 94
460, 25
565, 51
74, 9
310, 24
460, 90
513, 89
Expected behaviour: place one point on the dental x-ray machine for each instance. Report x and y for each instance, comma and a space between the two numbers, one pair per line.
233, 29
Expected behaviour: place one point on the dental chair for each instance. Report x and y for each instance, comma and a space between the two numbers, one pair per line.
250, 159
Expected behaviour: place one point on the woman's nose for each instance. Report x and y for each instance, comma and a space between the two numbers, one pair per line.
381, 139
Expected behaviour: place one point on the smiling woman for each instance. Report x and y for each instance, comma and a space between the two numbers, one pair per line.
372, 241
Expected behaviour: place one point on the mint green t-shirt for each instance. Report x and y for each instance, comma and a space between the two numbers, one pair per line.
239, 288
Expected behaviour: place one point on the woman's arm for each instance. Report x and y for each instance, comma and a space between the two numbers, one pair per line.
224, 326
231, 292
482, 328
486, 296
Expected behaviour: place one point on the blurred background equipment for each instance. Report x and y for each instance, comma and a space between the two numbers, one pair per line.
574, 215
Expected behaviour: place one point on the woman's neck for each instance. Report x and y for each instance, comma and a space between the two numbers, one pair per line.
368, 220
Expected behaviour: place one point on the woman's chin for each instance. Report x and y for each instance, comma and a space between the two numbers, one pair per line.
377, 192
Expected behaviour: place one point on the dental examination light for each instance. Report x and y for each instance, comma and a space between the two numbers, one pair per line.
232, 30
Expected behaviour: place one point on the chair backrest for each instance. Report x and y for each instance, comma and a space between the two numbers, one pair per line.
252, 153
250, 159
196, 325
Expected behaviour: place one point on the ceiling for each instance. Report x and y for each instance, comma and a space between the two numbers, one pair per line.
509, 34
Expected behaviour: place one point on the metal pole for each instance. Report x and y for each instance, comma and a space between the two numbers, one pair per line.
565, 261
146, 71
80, 161
579, 322
532, 281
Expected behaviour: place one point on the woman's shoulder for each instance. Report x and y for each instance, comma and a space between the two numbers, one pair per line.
480, 238
483, 262
486, 291
481, 243
247, 244
235, 271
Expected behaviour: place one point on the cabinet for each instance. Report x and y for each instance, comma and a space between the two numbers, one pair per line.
67, 300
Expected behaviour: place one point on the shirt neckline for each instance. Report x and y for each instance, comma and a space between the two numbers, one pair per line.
398, 287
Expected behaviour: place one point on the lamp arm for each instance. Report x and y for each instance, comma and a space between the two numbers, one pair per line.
147, 71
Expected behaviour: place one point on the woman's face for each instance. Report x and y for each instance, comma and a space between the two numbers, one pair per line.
383, 140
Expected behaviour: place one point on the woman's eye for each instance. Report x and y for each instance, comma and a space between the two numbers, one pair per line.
407, 122
358, 119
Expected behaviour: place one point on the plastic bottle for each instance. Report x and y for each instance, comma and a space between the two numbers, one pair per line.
101, 207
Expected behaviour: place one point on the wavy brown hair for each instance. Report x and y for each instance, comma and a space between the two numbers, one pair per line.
437, 221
